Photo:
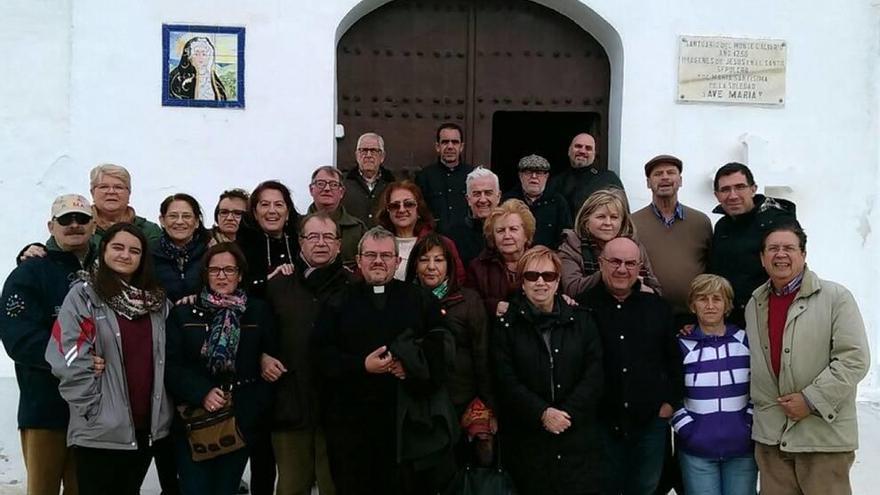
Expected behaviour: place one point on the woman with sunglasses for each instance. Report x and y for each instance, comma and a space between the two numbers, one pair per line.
508, 230
603, 216
108, 352
218, 349
403, 211
547, 361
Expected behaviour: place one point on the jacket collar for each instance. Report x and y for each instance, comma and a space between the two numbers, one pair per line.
762, 204
340, 215
809, 286
525, 310
600, 293
383, 175
53, 250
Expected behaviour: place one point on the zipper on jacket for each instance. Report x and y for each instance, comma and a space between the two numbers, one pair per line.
552, 364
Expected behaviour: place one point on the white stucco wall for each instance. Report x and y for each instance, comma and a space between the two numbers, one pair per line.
85, 88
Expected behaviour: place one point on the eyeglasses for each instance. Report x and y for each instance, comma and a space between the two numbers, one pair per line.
547, 276
315, 237
367, 151
234, 213
617, 262
739, 188
69, 218
105, 188
408, 204
228, 271
536, 173
787, 248
372, 256
332, 184
186, 217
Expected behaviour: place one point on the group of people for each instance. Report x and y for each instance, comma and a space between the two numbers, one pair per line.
400, 331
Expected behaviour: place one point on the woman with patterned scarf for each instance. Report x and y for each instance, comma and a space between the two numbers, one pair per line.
108, 352
178, 252
219, 353
603, 216
432, 265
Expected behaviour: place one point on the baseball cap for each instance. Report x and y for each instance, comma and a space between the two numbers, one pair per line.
71, 203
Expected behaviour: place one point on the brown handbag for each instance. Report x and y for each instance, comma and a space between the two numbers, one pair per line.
210, 434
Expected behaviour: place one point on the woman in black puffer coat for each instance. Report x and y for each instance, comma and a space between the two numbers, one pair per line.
548, 377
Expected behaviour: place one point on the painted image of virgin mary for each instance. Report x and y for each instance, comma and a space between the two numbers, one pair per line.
194, 78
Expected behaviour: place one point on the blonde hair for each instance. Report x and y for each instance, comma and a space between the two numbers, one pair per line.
611, 198
706, 284
537, 253
509, 207
112, 170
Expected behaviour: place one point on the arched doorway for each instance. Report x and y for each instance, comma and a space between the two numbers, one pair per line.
519, 77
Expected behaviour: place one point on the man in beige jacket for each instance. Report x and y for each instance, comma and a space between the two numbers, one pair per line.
809, 352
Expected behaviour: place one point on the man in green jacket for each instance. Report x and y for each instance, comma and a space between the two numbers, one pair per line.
327, 190
809, 352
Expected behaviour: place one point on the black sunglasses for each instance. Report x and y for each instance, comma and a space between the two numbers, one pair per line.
534, 276
69, 218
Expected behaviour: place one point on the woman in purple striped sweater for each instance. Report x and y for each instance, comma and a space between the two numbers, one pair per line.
714, 428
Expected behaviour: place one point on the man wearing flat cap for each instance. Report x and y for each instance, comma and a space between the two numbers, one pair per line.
28, 307
676, 237
549, 208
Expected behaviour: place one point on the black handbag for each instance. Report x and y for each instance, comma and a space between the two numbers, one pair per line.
471, 480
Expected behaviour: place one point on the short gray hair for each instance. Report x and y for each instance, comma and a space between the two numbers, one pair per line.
480, 173
330, 169
116, 171
377, 234
372, 135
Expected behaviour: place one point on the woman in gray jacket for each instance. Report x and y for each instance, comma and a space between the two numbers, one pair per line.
118, 404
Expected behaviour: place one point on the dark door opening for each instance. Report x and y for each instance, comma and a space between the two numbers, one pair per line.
517, 134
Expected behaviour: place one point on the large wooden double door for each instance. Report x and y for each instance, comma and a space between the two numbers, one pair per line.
519, 77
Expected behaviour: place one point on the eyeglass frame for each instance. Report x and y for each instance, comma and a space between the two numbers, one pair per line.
320, 184
327, 237
228, 271
366, 151
234, 213
386, 257
616, 263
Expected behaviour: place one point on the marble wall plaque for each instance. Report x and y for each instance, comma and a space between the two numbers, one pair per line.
731, 70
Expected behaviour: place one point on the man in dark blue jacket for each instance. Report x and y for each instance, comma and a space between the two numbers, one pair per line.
443, 182
31, 297
642, 370
736, 242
